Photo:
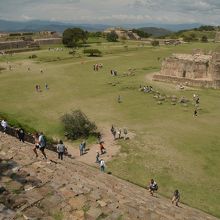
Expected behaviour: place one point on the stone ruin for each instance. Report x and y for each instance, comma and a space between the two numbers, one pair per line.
198, 69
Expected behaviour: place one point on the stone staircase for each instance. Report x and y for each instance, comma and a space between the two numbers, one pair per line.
33, 188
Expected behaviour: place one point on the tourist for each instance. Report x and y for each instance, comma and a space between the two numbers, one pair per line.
113, 131
60, 149
125, 133
84, 146
119, 99
4, 125
42, 144
46, 86
119, 133
20, 133
102, 165
97, 67
97, 157
102, 149
176, 197
195, 113
36, 144
81, 149
152, 187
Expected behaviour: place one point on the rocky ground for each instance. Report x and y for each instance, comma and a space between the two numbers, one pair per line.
33, 188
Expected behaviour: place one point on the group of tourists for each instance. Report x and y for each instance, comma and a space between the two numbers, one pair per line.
38, 87
97, 66
146, 89
153, 187
113, 73
117, 133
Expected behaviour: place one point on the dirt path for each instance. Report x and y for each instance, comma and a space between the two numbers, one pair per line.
90, 157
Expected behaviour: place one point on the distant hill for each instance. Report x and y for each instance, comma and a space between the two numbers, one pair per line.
156, 32
38, 25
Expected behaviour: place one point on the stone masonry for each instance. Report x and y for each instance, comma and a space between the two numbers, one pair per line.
191, 69
36, 189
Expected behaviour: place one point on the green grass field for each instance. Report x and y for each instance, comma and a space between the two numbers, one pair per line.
170, 145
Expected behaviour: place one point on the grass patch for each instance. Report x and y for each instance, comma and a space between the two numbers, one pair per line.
169, 144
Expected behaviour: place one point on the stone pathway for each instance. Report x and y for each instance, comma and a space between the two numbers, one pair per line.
71, 190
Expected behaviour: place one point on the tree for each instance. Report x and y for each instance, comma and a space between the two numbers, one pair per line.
141, 33
73, 37
204, 39
77, 125
112, 37
155, 43
92, 52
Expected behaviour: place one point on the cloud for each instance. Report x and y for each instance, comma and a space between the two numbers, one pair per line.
113, 11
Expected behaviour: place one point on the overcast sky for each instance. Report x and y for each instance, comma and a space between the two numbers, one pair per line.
114, 11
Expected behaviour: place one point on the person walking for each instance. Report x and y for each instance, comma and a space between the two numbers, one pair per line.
81, 149
21, 134
152, 187
102, 165
125, 134
97, 157
4, 125
42, 145
176, 197
60, 150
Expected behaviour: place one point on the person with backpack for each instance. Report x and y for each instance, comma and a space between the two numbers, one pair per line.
176, 197
60, 149
42, 144
152, 187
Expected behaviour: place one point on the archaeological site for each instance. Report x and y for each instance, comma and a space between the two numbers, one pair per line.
198, 69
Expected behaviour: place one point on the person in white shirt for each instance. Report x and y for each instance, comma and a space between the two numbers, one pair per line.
4, 125
102, 165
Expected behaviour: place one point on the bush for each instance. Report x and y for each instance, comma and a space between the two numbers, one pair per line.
92, 52
77, 125
155, 43
33, 56
112, 37
204, 39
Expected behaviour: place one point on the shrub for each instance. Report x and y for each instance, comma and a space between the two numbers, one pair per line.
77, 125
204, 39
155, 43
92, 52
33, 56
112, 37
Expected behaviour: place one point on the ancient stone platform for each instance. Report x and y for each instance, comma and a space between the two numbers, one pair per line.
35, 189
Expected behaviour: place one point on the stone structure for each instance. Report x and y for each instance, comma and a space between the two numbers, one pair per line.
193, 70
123, 34
70, 190
217, 37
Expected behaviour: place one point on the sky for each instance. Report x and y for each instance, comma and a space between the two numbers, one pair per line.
113, 11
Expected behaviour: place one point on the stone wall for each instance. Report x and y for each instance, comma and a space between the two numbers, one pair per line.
23, 44
187, 82
48, 41
196, 69
27, 137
